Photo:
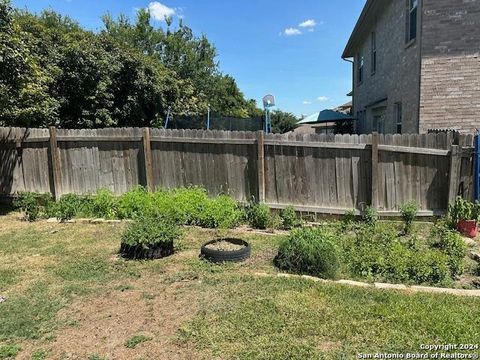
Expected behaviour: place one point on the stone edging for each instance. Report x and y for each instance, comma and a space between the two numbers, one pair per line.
381, 286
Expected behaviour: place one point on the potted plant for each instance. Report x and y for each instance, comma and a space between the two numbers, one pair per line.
464, 215
149, 237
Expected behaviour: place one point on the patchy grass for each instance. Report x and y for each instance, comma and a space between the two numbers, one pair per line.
69, 293
295, 319
136, 340
9, 351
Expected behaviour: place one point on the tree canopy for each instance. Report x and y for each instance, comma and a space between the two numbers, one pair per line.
283, 122
54, 72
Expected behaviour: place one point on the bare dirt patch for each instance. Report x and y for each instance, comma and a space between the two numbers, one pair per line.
103, 324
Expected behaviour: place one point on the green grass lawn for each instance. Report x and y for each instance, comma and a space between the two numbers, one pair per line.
70, 297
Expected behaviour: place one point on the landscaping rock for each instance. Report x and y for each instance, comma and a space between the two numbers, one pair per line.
475, 256
353, 283
52, 220
84, 221
390, 286
263, 275
313, 278
469, 242
456, 292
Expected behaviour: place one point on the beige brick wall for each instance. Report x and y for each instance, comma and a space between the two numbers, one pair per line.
450, 75
398, 70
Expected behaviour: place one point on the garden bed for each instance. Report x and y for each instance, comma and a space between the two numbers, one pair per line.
71, 291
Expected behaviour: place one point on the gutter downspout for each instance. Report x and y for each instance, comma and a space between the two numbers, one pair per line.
353, 90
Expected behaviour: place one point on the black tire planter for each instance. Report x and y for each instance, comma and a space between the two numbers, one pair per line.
141, 253
220, 256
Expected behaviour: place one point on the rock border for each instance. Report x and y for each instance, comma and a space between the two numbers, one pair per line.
380, 286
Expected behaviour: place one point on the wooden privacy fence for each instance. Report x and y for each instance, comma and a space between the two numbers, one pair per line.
315, 173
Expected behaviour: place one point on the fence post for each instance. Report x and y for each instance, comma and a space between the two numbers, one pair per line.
477, 167
453, 176
55, 161
261, 165
375, 170
147, 152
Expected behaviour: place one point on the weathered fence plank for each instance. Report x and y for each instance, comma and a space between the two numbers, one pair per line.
316, 172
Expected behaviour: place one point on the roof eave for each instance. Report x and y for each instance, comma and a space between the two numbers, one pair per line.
349, 49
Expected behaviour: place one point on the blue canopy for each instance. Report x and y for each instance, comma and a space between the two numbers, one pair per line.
324, 117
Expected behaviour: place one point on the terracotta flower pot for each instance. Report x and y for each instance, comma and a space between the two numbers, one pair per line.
468, 228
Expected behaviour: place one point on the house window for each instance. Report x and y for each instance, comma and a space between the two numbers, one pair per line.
374, 52
399, 117
360, 64
412, 19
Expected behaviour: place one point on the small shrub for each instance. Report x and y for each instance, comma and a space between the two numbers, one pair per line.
289, 218
409, 212
220, 212
310, 251
275, 222
367, 253
149, 237
135, 202
28, 203
450, 243
348, 220
258, 215
136, 340
67, 207
105, 204
191, 203
370, 216
429, 266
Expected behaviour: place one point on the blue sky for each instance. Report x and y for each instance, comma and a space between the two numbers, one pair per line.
289, 48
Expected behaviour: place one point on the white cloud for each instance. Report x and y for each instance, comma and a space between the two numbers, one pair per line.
160, 11
308, 24
322, 98
292, 31
307, 102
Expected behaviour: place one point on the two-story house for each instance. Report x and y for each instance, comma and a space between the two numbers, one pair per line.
416, 66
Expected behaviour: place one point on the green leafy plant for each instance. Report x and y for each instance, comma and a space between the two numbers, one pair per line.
348, 220
220, 212
310, 251
462, 209
67, 207
136, 340
275, 222
29, 204
192, 202
105, 204
149, 231
258, 215
370, 216
135, 202
289, 218
9, 351
450, 243
409, 212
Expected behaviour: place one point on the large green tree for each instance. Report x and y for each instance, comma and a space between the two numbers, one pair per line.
53, 72
283, 122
